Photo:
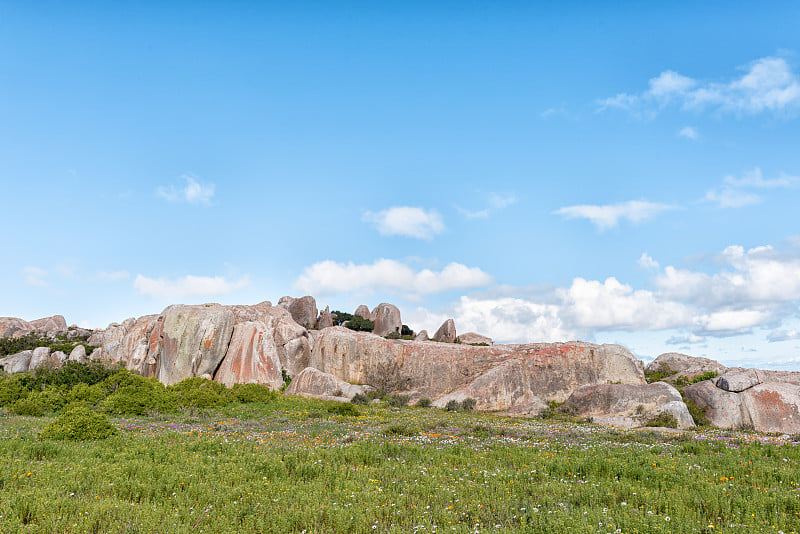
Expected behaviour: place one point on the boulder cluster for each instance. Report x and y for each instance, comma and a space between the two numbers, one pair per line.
268, 344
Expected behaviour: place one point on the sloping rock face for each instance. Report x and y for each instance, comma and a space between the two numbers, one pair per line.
422, 336
773, 407
78, 354
683, 365
736, 380
136, 342
723, 408
387, 319
446, 333
498, 377
17, 363
471, 338
39, 358
303, 310
628, 404
364, 312
53, 324
313, 383
14, 327
252, 356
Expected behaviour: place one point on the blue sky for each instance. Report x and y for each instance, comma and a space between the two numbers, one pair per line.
623, 174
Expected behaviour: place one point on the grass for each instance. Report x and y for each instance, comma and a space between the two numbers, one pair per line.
291, 465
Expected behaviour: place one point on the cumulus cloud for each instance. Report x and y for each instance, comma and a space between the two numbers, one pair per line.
329, 277
689, 133
496, 201
768, 84
608, 216
35, 276
646, 262
406, 221
189, 286
191, 192
690, 339
783, 335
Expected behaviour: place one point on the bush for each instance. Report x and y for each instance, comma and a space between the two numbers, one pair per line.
344, 408
697, 413
424, 402
396, 429
340, 317
78, 424
392, 335
452, 406
12, 389
398, 400
360, 324
663, 419
71, 374
406, 331
657, 376
27, 406
468, 404
38, 403
245, 393
360, 399
201, 393
286, 380
131, 394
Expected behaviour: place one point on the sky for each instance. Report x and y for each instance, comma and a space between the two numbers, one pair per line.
537, 171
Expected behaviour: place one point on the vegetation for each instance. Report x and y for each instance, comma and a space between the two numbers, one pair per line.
340, 317
288, 465
360, 324
663, 419
78, 424
34, 340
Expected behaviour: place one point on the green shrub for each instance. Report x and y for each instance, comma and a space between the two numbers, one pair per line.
360, 399
657, 376
708, 375
38, 403
397, 429
468, 404
398, 400
72, 373
392, 335
697, 413
27, 406
340, 317
34, 340
79, 423
85, 394
245, 393
286, 380
344, 408
663, 419
424, 402
131, 394
406, 331
360, 324
452, 405
12, 389
201, 393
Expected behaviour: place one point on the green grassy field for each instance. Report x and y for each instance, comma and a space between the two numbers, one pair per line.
292, 466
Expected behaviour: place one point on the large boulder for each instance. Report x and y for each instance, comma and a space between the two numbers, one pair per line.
78, 354
387, 319
195, 339
53, 324
500, 376
14, 327
722, 408
136, 343
627, 404
40, 358
252, 356
677, 365
364, 312
773, 407
325, 320
316, 384
471, 338
293, 341
736, 380
303, 310
446, 333
17, 363
422, 336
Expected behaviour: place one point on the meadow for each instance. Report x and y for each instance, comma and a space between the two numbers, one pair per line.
293, 465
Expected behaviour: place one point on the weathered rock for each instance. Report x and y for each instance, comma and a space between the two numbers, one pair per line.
56, 323
39, 358
78, 333
723, 409
314, 383
773, 407
422, 336
683, 365
194, 341
96, 338
14, 327
471, 338
500, 376
252, 357
447, 332
303, 310
387, 319
78, 354
639, 402
737, 380
59, 356
17, 363
364, 312
293, 340
325, 320
136, 343
97, 354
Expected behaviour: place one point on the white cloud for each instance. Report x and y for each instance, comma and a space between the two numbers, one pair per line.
329, 277
755, 179
406, 221
646, 262
731, 322
783, 335
608, 216
480, 214
113, 275
192, 192
690, 339
728, 197
188, 286
35, 276
768, 85
689, 133
499, 201
737, 192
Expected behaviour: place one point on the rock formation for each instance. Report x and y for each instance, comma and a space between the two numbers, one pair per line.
316, 384
53, 324
471, 338
303, 310
364, 312
387, 319
422, 336
682, 365
252, 356
325, 320
446, 333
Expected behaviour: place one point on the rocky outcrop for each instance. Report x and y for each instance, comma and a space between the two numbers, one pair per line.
40, 358
78, 354
773, 407
96, 338
136, 342
316, 384
53, 324
446, 333
628, 405
471, 338
387, 319
723, 409
17, 363
422, 336
364, 312
736, 380
499, 377
14, 327
325, 320
682, 365
251, 357
303, 310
